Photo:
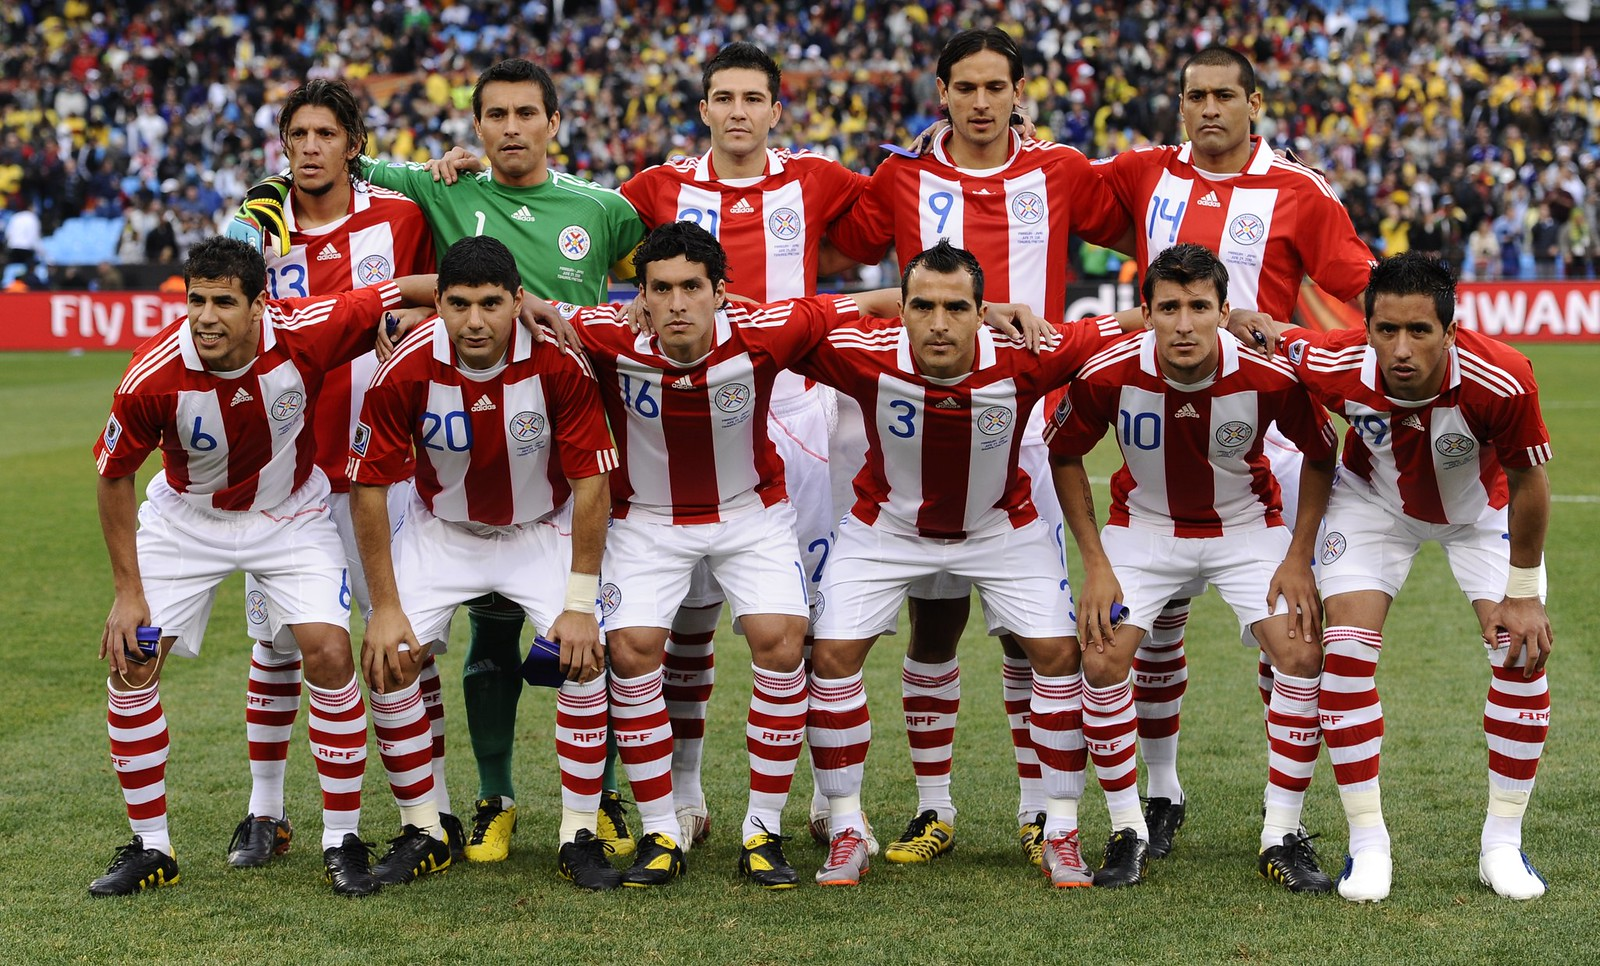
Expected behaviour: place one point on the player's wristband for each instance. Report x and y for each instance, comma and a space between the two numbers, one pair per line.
1524, 581
582, 592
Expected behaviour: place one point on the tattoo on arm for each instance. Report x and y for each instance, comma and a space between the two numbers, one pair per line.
1088, 503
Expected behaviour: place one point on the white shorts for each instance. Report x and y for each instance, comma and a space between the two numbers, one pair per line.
440, 565
1367, 545
798, 427
1017, 573
261, 625
648, 565
1154, 568
293, 551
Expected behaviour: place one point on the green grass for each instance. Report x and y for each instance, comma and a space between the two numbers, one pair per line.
62, 816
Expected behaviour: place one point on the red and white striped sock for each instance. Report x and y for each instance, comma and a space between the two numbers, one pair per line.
1016, 689
272, 701
1352, 728
337, 729
1112, 734
840, 732
433, 705
1160, 678
1516, 721
688, 672
930, 695
644, 742
139, 745
1055, 727
1293, 739
774, 731
581, 723
406, 747
1264, 679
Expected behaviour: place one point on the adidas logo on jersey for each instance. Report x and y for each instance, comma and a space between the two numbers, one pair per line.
683, 382
1412, 422
328, 253
741, 207
242, 396
523, 214
1209, 201
483, 405
1187, 410
947, 402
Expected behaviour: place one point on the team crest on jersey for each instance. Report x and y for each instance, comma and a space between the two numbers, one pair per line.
1247, 229
994, 420
573, 242
1333, 547
374, 269
732, 398
113, 434
784, 224
527, 426
1063, 410
288, 405
1297, 350
819, 604
1028, 207
362, 437
256, 604
1454, 444
610, 599
1233, 434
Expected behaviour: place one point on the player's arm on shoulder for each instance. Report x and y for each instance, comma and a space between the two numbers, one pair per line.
1521, 614
1257, 330
865, 232
259, 220
453, 164
117, 501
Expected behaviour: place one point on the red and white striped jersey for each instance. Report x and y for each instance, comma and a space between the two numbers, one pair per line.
942, 453
494, 447
771, 227
694, 437
237, 440
1271, 224
1438, 461
384, 236
1193, 464
1016, 218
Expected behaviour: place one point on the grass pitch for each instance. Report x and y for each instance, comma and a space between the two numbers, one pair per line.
62, 814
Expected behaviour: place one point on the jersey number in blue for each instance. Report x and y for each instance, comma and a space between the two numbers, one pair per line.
1140, 430
1373, 430
707, 218
905, 426
1168, 210
287, 281
941, 203
454, 426
640, 402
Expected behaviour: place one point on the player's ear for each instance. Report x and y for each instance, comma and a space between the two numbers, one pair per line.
720, 293
516, 301
555, 123
1144, 309
777, 113
705, 116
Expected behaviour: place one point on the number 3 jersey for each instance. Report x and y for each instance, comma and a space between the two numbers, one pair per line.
1440, 460
1192, 454
693, 436
236, 440
384, 236
942, 453
493, 447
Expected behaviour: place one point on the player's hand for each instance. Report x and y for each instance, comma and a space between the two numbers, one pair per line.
1523, 628
1100, 590
263, 208
639, 316
538, 315
128, 613
583, 657
1018, 320
456, 162
384, 665
1294, 583
1255, 329
394, 325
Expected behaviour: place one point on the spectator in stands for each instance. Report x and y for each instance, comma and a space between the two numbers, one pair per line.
22, 235
1544, 241
1483, 252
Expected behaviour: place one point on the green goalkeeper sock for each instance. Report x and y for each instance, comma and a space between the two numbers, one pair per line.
491, 684
608, 778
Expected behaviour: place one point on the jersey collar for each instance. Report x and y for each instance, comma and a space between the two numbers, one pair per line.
703, 170
191, 355
906, 363
1373, 379
944, 157
1260, 162
360, 200
444, 350
1227, 361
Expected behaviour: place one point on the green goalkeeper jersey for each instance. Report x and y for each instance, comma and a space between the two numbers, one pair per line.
565, 233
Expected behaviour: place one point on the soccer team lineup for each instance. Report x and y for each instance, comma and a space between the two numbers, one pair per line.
401, 388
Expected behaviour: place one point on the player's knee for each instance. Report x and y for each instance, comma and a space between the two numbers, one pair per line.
325, 650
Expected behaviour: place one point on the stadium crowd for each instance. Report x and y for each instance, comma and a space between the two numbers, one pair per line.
1452, 132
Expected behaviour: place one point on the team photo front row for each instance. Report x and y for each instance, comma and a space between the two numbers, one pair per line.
605, 469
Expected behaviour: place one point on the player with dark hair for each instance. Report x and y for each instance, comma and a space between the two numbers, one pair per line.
510, 450
227, 394
1196, 500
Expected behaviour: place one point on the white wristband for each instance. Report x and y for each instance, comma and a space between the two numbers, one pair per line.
582, 592
1524, 581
